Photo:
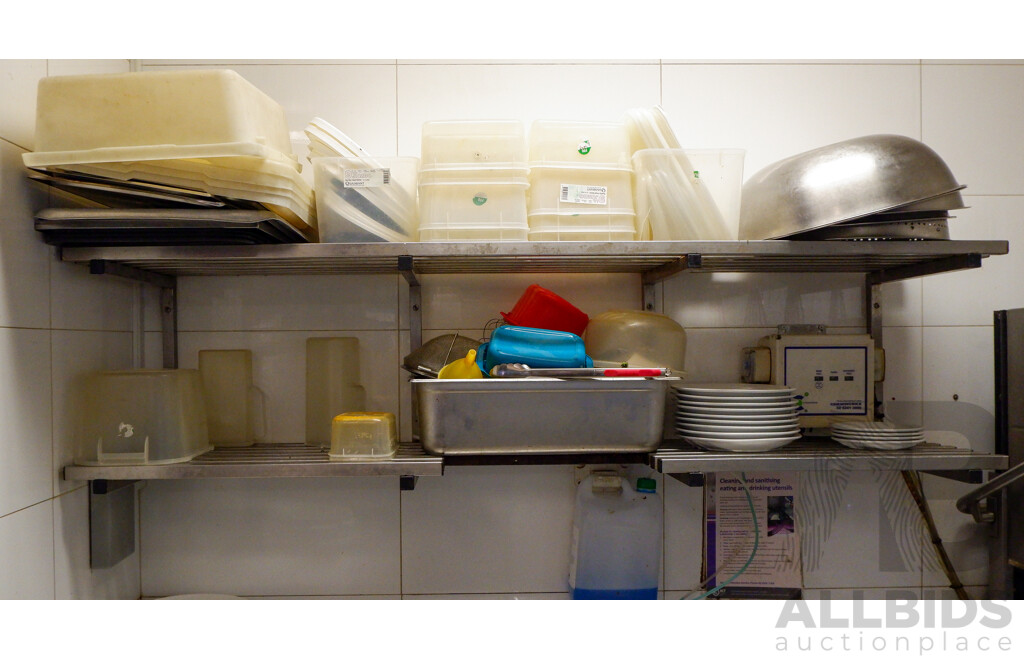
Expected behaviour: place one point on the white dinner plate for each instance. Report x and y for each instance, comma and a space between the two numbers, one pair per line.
688, 409
777, 406
877, 444
734, 389
738, 446
744, 420
868, 435
752, 435
752, 400
874, 427
732, 428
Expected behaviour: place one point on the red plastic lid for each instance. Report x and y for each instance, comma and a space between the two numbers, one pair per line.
540, 308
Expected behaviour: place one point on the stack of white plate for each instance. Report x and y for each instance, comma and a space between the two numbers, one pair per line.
736, 416
876, 435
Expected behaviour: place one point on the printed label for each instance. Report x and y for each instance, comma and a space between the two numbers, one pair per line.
578, 194
480, 199
366, 178
584, 147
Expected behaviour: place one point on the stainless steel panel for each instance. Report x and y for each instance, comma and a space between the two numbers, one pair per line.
537, 416
1015, 432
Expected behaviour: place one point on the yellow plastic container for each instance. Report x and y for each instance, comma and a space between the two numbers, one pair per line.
360, 436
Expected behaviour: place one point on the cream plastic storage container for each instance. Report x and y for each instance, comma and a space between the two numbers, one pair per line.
580, 144
332, 385
141, 417
473, 210
360, 436
451, 148
636, 339
234, 406
153, 115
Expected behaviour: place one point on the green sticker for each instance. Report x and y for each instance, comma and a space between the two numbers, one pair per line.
584, 148
696, 174
480, 199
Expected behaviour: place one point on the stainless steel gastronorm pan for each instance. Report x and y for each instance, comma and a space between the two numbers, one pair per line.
540, 415
841, 182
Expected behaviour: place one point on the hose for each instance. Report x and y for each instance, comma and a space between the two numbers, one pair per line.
913, 481
753, 552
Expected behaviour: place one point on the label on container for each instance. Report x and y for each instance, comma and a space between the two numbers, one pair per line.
579, 194
366, 178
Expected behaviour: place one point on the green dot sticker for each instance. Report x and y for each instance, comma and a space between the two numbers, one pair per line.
696, 174
480, 199
584, 148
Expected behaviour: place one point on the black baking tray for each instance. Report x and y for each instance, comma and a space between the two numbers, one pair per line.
162, 226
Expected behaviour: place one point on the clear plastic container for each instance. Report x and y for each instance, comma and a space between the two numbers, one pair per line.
473, 211
360, 200
616, 539
636, 339
560, 189
332, 385
491, 144
672, 201
721, 170
580, 144
360, 436
152, 115
234, 406
141, 417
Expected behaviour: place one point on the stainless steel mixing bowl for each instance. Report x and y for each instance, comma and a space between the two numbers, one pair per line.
843, 181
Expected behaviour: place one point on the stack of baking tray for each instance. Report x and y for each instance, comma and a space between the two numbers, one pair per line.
95, 227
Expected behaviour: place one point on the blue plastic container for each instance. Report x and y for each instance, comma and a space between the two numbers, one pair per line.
538, 348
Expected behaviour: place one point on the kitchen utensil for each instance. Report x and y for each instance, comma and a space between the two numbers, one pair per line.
733, 389
931, 230
106, 190
840, 182
538, 347
739, 446
539, 308
520, 415
524, 371
464, 367
636, 339
428, 360
881, 445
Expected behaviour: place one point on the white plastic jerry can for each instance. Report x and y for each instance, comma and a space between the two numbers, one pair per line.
616, 539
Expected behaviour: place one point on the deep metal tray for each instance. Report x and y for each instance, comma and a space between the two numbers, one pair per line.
540, 415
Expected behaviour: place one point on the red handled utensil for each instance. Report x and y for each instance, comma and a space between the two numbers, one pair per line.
518, 370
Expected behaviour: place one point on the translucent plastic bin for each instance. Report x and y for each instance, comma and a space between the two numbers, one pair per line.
721, 170
637, 339
559, 189
569, 226
581, 144
673, 202
495, 144
332, 385
362, 201
361, 436
155, 115
473, 211
141, 417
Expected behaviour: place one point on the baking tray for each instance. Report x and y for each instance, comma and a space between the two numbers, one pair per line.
540, 415
111, 227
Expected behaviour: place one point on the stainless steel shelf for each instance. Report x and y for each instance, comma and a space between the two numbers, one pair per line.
824, 454
657, 260
268, 460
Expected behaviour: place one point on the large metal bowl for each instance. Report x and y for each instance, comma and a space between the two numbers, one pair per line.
840, 182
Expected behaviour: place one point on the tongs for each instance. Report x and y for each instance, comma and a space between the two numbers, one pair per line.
519, 370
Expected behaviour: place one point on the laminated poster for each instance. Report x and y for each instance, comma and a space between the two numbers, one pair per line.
729, 534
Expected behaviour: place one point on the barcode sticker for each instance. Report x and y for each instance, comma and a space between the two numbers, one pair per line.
367, 178
579, 194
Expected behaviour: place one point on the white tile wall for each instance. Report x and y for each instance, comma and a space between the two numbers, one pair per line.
271, 537
26, 545
501, 531
25, 453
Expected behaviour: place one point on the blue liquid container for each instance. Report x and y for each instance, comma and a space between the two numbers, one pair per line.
538, 348
616, 540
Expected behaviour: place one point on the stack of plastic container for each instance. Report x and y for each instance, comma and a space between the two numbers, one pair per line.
207, 130
473, 181
580, 182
